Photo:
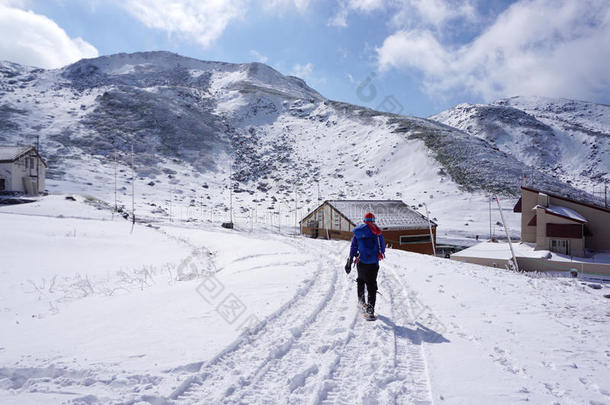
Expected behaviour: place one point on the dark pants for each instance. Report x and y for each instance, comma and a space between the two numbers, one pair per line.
367, 275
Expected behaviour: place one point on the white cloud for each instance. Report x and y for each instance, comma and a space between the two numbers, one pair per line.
201, 20
413, 49
347, 6
258, 57
281, 5
302, 71
408, 13
432, 13
365, 5
535, 47
35, 40
339, 19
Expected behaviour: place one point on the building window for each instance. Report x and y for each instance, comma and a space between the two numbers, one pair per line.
337, 220
32, 164
2, 184
411, 239
27, 162
561, 246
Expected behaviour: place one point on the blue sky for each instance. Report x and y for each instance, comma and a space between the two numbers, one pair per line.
419, 56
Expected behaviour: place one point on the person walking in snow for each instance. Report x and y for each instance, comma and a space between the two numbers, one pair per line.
368, 247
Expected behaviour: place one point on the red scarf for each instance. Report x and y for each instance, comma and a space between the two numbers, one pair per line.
374, 228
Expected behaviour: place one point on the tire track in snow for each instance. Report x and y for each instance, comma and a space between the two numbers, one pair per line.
289, 379
366, 372
317, 350
344, 379
411, 368
362, 364
251, 354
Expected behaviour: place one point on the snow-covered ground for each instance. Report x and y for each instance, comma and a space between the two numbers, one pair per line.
93, 311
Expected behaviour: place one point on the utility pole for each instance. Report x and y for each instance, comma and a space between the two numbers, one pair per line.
116, 207
606, 194
38, 165
510, 243
295, 208
490, 235
230, 192
133, 182
171, 199
430, 229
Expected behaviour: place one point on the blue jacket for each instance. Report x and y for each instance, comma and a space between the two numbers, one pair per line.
367, 243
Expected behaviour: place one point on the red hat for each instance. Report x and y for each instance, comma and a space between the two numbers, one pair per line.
369, 217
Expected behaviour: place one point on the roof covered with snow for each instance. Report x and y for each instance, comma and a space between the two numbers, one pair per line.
501, 251
10, 153
389, 214
584, 199
564, 212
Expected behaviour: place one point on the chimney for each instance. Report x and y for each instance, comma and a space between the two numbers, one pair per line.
543, 200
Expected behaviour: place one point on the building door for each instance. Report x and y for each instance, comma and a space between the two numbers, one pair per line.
561, 246
2, 184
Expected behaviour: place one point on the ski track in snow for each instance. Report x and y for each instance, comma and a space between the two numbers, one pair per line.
232, 373
317, 349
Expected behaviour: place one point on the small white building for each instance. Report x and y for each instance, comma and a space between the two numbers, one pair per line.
22, 170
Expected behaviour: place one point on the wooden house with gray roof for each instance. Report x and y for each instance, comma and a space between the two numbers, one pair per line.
403, 227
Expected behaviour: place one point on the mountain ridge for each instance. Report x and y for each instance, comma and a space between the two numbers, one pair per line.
543, 132
188, 120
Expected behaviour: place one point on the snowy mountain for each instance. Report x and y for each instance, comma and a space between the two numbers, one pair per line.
175, 309
189, 120
566, 139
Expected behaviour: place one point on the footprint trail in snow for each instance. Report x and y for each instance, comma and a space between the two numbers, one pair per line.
317, 349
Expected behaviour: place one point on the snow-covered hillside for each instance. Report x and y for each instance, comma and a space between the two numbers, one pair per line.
95, 312
177, 310
189, 121
567, 139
